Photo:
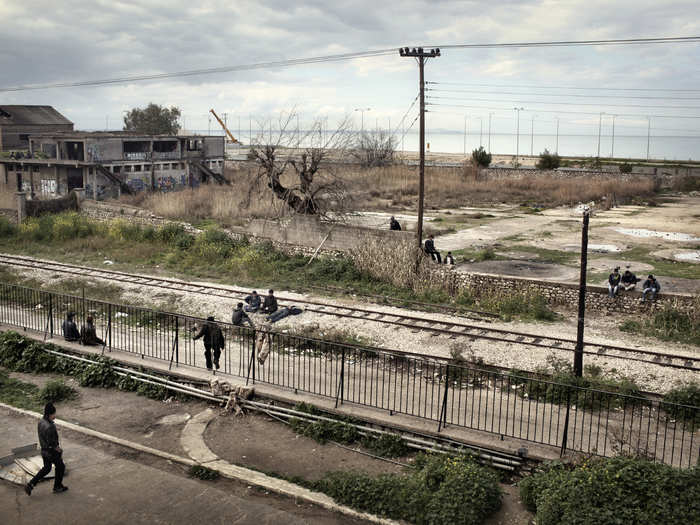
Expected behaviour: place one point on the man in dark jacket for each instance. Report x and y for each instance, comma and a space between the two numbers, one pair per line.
394, 224
651, 287
70, 329
88, 334
628, 281
51, 452
252, 302
614, 282
283, 312
239, 317
270, 303
430, 249
213, 339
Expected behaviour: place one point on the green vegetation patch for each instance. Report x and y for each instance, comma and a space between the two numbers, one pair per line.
18, 393
57, 390
668, 324
613, 491
201, 472
436, 489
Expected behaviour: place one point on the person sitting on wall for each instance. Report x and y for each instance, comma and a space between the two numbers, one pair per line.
239, 317
430, 249
283, 312
270, 303
394, 224
449, 259
70, 329
88, 334
614, 282
252, 302
628, 281
651, 287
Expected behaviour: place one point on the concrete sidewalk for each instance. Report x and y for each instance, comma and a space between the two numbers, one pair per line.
111, 485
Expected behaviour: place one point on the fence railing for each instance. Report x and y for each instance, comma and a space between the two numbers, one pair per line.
531, 409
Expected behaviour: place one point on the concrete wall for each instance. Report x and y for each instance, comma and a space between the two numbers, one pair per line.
666, 175
9, 134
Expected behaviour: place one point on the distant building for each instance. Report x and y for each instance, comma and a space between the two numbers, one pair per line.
18, 122
107, 164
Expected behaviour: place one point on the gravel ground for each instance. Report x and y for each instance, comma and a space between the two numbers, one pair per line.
599, 329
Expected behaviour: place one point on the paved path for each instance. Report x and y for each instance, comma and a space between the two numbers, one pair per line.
106, 487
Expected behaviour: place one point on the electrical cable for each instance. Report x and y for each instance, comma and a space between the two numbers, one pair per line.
406, 114
520, 101
575, 95
562, 87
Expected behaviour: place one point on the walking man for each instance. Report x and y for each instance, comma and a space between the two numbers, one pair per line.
51, 452
213, 339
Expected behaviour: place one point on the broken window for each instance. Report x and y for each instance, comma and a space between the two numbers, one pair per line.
24, 137
137, 149
127, 168
174, 166
74, 150
137, 167
116, 169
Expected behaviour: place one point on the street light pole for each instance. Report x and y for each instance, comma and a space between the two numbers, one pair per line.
490, 114
556, 150
532, 134
648, 135
481, 132
600, 122
517, 137
465, 135
612, 146
362, 118
578, 352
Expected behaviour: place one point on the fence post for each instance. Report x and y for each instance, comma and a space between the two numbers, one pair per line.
566, 423
443, 408
340, 392
175, 349
251, 361
51, 314
109, 326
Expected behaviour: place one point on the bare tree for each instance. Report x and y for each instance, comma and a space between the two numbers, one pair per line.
297, 166
375, 149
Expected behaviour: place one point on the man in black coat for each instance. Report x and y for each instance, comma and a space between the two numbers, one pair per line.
239, 317
213, 339
252, 302
430, 249
51, 452
270, 303
70, 329
394, 224
88, 334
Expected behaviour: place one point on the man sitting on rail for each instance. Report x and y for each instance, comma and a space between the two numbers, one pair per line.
614, 282
651, 286
252, 302
88, 334
628, 281
270, 303
239, 317
394, 224
430, 249
70, 329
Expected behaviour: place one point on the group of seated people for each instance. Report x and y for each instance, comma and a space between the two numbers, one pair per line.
628, 281
268, 306
428, 246
87, 334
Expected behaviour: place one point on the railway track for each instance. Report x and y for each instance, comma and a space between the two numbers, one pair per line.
414, 323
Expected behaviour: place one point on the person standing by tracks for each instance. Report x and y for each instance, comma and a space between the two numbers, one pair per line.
51, 452
213, 339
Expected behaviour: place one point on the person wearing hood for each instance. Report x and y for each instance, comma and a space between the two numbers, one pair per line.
614, 282
270, 303
70, 329
213, 339
650, 287
394, 224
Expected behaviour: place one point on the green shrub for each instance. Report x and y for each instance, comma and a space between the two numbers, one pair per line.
386, 445
614, 491
548, 161
689, 396
625, 167
481, 158
7, 228
436, 490
55, 391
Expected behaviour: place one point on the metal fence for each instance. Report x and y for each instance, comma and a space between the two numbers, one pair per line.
510, 405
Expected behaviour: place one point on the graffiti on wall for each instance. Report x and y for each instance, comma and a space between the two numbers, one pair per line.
136, 185
48, 187
94, 153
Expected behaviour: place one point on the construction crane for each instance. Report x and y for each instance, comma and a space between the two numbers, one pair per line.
233, 139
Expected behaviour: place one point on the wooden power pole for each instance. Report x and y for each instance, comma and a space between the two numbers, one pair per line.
421, 55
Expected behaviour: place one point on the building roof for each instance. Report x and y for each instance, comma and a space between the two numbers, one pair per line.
32, 116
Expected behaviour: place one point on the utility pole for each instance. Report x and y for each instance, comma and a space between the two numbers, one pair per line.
362, 117
578, 352
465, 135
648, 136
421, 57
556, 150
481, 132
532, 134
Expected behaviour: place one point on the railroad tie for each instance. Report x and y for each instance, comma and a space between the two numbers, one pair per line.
519, 339
601, 350
556, 344
537, 340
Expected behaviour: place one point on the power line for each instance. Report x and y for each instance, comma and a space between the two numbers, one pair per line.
532, 86
537, 110
406, 114
573, 95
520, 101
347, 56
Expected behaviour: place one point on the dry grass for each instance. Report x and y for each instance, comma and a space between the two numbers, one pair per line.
398, 186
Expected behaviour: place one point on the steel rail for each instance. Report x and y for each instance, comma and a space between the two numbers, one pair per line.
413, 323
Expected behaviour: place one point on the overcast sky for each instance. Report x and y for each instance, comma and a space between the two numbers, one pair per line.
48, 41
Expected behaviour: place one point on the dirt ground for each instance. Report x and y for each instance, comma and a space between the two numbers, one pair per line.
254, 441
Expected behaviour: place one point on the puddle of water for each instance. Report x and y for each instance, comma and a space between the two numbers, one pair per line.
688, 256
605, 248
669, 236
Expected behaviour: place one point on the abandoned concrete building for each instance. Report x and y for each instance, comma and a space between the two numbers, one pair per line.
106, 164
18, 122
